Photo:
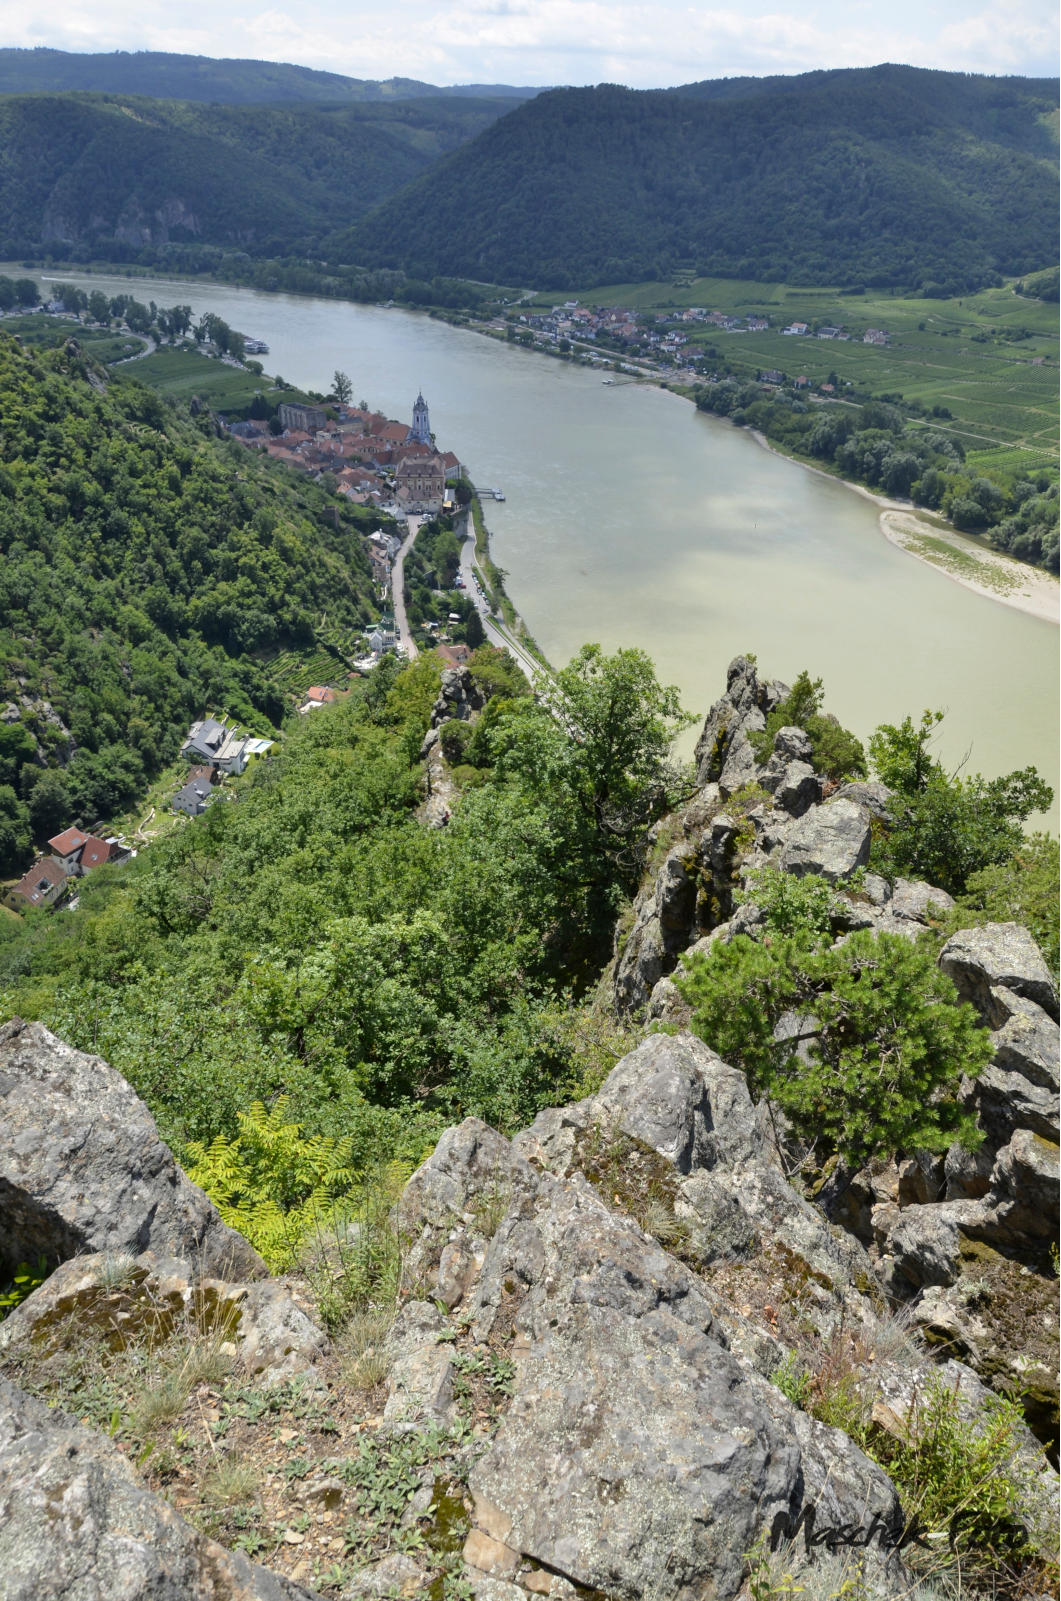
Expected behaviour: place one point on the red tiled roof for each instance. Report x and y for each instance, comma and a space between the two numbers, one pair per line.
67, 841
42, 877
96, 852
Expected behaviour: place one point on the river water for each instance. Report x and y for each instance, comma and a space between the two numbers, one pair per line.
631, 519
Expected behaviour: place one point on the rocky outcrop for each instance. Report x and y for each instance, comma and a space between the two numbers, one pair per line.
833, 841
75, 1520
459, 696
82, 1168
269, 1334
723, 752
639, 1453
998, 955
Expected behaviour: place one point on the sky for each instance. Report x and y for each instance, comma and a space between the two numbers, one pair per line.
537, 42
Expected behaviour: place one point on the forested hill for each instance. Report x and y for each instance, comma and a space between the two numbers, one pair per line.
225, 82
883, 175
105, 175
142, 561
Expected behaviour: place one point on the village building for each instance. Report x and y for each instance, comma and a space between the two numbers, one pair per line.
76, 852
308, 418
195, 797
317, 695
210, 741
41, 886
421, 481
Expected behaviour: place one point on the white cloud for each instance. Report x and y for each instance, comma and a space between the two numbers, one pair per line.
563, 41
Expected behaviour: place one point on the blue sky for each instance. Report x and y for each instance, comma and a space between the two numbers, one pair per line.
562, 41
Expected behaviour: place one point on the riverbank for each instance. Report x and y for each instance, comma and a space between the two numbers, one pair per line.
986, 572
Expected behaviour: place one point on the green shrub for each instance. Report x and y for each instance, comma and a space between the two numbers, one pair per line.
834, 750
887, 1042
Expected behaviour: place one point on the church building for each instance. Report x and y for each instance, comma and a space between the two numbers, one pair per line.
420, 432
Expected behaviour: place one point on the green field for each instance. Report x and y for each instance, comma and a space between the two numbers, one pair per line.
973, 356
183, 372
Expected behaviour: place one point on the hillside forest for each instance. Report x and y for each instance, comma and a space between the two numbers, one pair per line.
883, 176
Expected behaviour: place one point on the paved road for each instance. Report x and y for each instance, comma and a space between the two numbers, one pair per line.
495, 628
405, 633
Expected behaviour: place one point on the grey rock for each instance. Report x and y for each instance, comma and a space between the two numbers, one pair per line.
674, 1093
831, 840
1024, 1190
82, 1168
396, 1574
675, 897
913, 901
742, 709
459, 1267
793, 744
272, 1337
638, 1454
741, 767
1005, 1102
420, 1379
1027, 1042
276, 1340
999, 954
431, 739
968, 1173
666, 1005
798, 790
874, 797
470, 1162
922, 1179
458, 697
641, 961
877, 889
924, 1243
76, 1521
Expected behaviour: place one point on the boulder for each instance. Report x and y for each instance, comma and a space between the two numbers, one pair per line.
420, 1380
82, 1168
831, 840
924, 1243
1027, 1041
874, 797
913, 901
922, 1179
798, 789
76, 1521
1005, 1102
1004, 955
968, 1172
677, 1095
272, 1337
395, 1575
1024, 1192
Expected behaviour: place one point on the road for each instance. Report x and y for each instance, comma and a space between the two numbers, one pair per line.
405, 633
495, 628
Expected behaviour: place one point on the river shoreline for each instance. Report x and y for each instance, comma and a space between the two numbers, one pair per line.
986, 572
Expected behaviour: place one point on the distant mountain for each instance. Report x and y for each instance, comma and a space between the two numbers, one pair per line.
103, 176
227, 82
882, 175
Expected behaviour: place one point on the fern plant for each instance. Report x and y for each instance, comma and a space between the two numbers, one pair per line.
273, 1184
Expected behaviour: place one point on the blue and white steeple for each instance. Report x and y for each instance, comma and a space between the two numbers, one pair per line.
420, 432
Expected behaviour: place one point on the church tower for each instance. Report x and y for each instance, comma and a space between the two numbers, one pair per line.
420, 432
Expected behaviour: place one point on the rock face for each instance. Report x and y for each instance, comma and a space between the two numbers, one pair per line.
723, 753
999, 954
82, 1167
458, 697
833, 840
639, 1453
75, 1521
271, 1337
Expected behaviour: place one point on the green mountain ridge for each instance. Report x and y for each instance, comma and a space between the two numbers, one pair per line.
230, 81
883, 175
108, 174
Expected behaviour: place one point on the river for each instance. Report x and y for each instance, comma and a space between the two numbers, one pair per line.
631, 519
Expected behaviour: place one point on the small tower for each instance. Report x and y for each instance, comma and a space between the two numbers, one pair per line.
420, 432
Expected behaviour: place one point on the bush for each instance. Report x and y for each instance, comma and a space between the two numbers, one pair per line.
834, 750
869, 1056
